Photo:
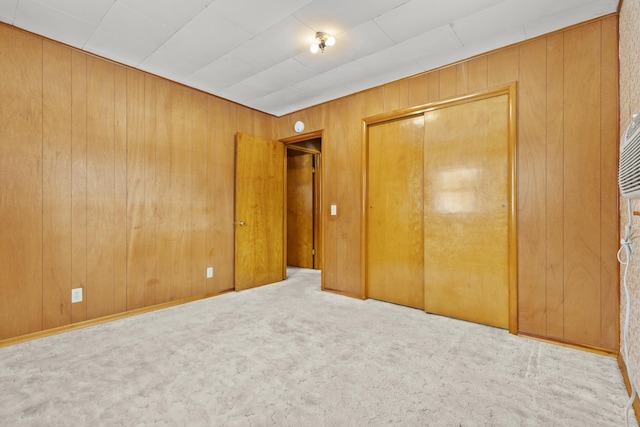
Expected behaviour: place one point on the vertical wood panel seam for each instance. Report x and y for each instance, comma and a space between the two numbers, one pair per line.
41, 43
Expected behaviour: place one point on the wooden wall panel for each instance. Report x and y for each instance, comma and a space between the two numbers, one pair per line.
448, 82
532, 186
221, 201
396, 95
434, 85
20, 183
555, 180
502, 66
135, 229
100, 188
181, 191
582, 176
79, 182
56, 185
462, 78
478, 74
419, 89
150, 191
199, 195
609, 281
163, 191
120, 190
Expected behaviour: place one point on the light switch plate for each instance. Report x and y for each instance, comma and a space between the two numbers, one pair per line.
209, 272
334, 210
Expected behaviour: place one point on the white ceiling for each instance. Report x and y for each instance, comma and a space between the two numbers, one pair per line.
256, 52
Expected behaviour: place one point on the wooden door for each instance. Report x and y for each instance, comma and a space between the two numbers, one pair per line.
259, 237
467, 205
394, 244
300, 210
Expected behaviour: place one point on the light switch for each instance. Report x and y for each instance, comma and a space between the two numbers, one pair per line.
334, 210
209, 272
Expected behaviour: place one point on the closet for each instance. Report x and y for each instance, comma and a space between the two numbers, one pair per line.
440, 208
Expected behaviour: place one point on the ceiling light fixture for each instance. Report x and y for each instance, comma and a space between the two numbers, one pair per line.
322, 40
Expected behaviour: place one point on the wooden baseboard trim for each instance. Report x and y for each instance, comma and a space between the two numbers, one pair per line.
569, 344
105, 319
344, 294
627, 383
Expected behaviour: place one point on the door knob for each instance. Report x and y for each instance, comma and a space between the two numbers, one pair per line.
240, 223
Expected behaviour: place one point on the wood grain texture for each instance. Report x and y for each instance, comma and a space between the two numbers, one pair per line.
100, 188
150, 192
532, 187
502, 66
478, 74
609, 117
120, 190
555, 180
448, 82
199, 221
466, 194
394, 253
260, 170
419, 89
136, 206
56, 184
221, 154
20, 183
79, 182
163, 191
582, 177
300, 211
396, 95
180, 191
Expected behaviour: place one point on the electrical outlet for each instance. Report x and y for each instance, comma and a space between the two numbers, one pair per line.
76, 295
209, 272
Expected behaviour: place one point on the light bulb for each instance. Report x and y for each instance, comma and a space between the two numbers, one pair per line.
314, 48
330, 41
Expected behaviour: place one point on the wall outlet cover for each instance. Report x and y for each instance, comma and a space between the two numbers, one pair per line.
76, 295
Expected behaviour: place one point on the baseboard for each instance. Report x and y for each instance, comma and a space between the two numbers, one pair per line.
627, 383
569, 344
343, 293
105, 319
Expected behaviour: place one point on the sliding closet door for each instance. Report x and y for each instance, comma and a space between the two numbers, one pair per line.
394, 212
467, 203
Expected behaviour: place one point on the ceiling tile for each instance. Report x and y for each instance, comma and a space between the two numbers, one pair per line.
278, 43
168, 66
128, 35
204, 39
256, 16
279, 99
40, 19
173, 13
221, 74
582, 12
89, 11
284, 74
419, 16
338, 16
339, 76
8, 11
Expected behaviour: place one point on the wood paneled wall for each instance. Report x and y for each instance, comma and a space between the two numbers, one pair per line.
567, 160
111, 180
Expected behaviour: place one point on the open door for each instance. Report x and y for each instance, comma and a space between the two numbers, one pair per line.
259, 213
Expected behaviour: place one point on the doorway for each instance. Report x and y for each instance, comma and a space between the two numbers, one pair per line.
303, 200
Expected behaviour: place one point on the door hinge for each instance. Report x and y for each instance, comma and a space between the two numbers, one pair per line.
313, 251
313, 170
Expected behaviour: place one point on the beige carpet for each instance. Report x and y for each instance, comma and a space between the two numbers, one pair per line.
290, 355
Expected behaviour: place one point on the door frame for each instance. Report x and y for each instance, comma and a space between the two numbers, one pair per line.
511, 91
318, 182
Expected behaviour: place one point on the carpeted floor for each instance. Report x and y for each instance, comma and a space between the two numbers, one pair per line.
289, 354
